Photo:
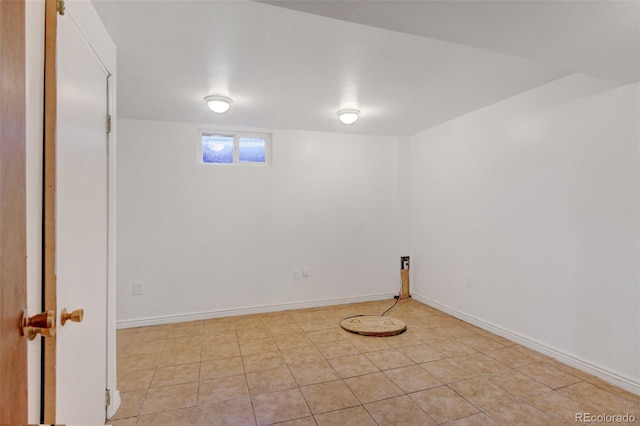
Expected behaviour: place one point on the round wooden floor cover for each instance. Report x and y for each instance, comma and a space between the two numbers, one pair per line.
374, 325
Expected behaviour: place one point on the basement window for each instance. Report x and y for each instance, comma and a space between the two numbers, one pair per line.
234, 148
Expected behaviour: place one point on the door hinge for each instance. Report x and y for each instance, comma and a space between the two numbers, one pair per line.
107, 398
108, 123
60, 6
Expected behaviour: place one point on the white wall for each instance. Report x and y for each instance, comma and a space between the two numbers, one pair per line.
34, 43
537, 199
224, 239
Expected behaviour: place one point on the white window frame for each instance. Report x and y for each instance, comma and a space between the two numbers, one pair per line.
236, 134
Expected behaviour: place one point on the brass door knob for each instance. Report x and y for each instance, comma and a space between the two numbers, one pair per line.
75, 316
43, 323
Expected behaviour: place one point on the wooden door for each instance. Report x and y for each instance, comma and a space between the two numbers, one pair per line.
13, 299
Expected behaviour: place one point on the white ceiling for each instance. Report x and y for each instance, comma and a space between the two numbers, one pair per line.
601, 38
407, 65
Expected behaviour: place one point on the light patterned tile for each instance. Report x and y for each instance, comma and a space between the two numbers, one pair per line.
356, 416
125, 339
313, 372
210, 358
284, 329
270, 381
449, 370
354, 365
305, 421
453, 348
531, 353
315, 325
596, 399
615, 390
325, 336
244, 322
388, 359
432, 334
449, 332
372, 387
254, 346
337, 349
183, 417
306, 315
548, 375
176, 374
263, 361
219, 350
193, 330
481, 363
253, 334
301, 355
568, 369
479, 419
282, 319
131, 404
400, 410
180, 356
223, 389
482, 393
519, 413
518, 383
123, 331
279, 406
169, 398
557, 406
412, 378
329, 396
149, 334
129, 421
369, 344
221, 368
211, 336
421, 353
510, 356
443, 404
135, 380
294, 340
402, 340
180, 343
232, 412
502, 340
145, 347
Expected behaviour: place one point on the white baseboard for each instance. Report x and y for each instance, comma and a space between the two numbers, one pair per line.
115, 404
195, 316
617, 379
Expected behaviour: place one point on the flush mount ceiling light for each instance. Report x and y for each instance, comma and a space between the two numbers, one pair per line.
218, 104
348, 116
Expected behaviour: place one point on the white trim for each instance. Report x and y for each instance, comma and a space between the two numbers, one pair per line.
115, 403
195, 316
111, 373
615, 378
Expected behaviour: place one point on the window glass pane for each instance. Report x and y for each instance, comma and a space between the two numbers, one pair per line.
252, 149
217, 149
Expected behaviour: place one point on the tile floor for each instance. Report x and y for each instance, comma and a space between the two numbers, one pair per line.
300, 368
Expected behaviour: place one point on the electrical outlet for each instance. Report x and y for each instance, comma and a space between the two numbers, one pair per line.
469, 281
294, 275
138, 288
